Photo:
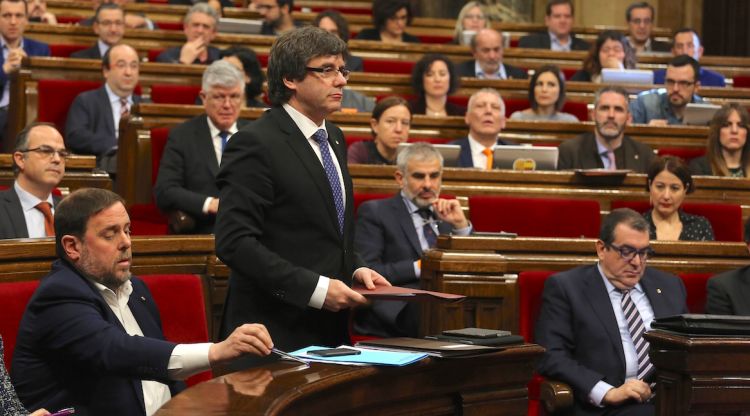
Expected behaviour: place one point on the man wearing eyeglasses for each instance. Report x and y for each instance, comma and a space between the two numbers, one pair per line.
277, 16
26, 209
93, 122
285, 223
593, 318
109, 26
391, 234
191, 158
661, 107
640, 17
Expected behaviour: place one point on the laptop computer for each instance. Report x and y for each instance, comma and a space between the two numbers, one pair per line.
525, 157
450, 152
627, 76
243, 26
699, 114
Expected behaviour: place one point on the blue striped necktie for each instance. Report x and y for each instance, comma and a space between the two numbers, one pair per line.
321, 137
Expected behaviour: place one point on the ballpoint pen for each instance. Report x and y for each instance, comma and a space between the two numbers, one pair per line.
289, 356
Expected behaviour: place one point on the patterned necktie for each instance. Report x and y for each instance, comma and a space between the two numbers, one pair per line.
321, 137
49, 225
124, 109
611, 156
427, 230
224, 137
488, 152
636, 329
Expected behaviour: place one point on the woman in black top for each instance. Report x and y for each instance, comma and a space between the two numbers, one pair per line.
389, 124
433, 79
669, 181
728, 151
246, 61
390, 18
611, 50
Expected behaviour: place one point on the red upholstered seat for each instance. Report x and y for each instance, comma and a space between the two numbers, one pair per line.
153, 53
741, 81
359, 198
68, 20
515, 104
350, 140
538, 217
169, 25
725, 219
183, 312
64, 50
686, 153
174, 94
13, 296
56, 96
578, 109
695, 284
146, 219
569, 72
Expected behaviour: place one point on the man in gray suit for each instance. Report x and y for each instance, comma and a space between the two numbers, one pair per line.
109, 26
607, 147
39, 165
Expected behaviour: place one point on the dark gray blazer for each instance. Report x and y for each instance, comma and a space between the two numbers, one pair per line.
541, 41
12, 220
468, 69
729, 293
90, 53
582, 153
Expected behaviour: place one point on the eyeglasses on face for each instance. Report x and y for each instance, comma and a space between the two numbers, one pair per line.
682, 84
628, 253
330, 71
48, 152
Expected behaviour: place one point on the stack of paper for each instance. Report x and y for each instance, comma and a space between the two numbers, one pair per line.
367, 356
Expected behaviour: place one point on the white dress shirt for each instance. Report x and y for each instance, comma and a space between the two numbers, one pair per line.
500, 74
479, 158
186, 359
34, 218
114, 101
103, 47
631, 357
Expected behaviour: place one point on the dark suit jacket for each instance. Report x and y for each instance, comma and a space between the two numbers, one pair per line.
32, 48
278, 231
90, 129
12, 220
578, 327
172, 56
389, 244
418, 106
468, 69
729, 293
355, 63
187, 172
582, 153
90, 53
541, 41
371, 33
700, 166
465, 160
72, 350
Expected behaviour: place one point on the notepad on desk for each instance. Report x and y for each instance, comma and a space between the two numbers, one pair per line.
367, 356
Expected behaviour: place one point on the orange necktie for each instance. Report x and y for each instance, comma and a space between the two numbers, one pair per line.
488, 152
49, 225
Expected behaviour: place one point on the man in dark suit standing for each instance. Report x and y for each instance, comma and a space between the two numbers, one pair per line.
392, 234
93, 123
39, 165
91, 336
593, 319
486, 119
487, 49
200, 29
559, 36
607, 147
191, 159
729, 292
15, 47
285, 224
109, 26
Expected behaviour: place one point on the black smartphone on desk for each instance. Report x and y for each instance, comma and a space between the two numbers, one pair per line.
334, 352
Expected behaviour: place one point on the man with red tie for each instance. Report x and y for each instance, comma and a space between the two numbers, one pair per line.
39, 165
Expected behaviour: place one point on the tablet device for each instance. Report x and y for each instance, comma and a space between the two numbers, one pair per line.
476, 333
515, 157
450, 152
699, 114
244, 26
627, 76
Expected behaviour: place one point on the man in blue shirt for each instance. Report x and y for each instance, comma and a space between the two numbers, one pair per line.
663, 106
687, 42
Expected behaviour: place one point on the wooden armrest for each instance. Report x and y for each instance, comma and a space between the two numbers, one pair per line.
555, 396
180, 222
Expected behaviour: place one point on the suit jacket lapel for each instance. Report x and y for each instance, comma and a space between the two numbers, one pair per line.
15, 213
655, 296
403, 216
309, 159
205, 144
107, 106
596, 293
464, 157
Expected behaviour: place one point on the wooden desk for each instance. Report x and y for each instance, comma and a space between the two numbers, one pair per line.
80, 172
700, 375
491, 384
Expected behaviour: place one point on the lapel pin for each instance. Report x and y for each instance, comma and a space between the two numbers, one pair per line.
658, 291
636, 157
143, 298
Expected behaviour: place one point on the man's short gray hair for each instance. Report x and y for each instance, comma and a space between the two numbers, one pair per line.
487, 90
222, 74
202, 8
420, 151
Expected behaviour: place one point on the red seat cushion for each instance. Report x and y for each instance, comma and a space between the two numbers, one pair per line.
725, 219
578, 109
515, 104
530, 288
153, 53
169, 25
538, 217
741, 81
13, 296
182, 309
686, 153
64, 50
695, 284
146, 219
174, 94
56, 96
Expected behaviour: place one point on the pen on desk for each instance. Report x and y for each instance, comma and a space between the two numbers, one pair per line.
64, 412
289, 356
